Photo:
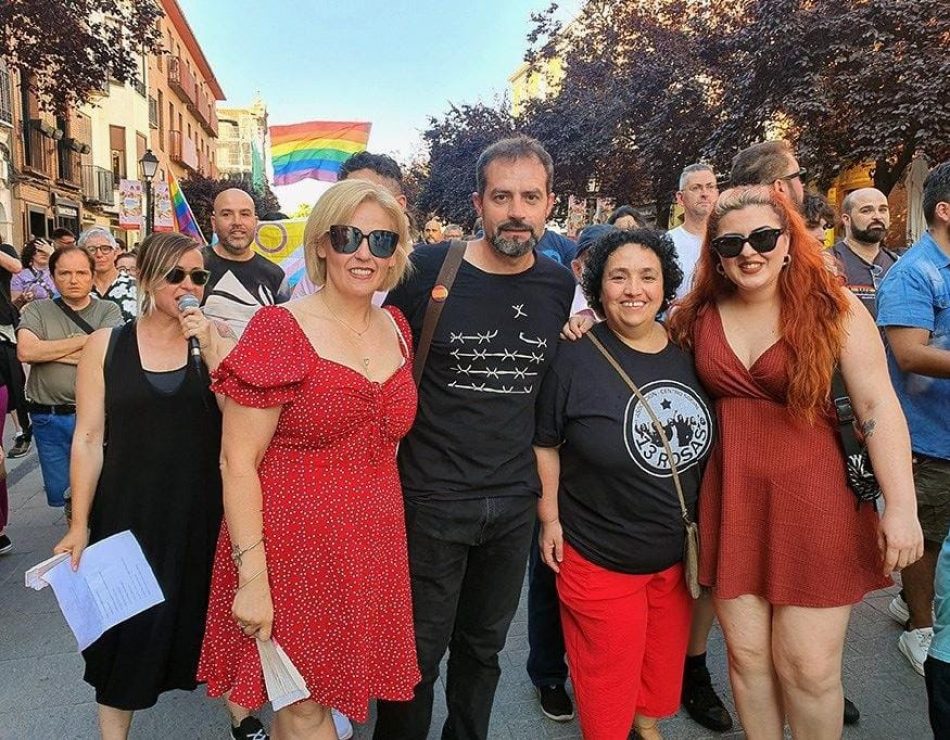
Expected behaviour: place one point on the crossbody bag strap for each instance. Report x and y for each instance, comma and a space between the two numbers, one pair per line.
438, 296
653, 418
73, 316
844, 413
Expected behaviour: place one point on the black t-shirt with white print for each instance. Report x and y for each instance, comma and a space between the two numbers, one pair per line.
475, 423
617, 503
237, 289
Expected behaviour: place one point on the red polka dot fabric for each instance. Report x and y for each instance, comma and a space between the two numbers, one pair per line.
334, 525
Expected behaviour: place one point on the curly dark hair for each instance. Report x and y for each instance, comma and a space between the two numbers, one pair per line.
29, 251
656, 241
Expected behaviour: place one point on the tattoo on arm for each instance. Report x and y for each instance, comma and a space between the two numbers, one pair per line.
867, 428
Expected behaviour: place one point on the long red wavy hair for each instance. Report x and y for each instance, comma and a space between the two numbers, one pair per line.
813, 308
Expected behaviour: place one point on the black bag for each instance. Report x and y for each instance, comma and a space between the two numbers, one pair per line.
860, 473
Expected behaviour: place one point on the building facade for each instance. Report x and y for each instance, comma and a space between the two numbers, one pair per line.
243, 141
119, 136
44, 164
182, 96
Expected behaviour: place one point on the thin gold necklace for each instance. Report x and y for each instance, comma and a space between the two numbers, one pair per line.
359, 334
341, 321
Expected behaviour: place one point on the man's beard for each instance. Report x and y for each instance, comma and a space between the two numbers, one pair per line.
870, 235
229, 246
513, 247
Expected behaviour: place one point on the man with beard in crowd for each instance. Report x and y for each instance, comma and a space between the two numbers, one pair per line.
467, 467
241, 281
862, 259
770, 163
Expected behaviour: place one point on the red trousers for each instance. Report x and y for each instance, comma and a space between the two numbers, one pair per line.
626, 638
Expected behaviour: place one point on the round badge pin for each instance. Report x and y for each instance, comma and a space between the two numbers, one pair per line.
440, 293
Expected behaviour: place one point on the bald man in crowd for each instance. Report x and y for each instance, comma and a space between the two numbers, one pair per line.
862, 258
242, 281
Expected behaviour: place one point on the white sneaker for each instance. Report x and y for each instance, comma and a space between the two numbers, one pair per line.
344, 728
915, 644
899, 610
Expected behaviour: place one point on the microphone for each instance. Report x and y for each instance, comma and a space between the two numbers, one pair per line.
194, 349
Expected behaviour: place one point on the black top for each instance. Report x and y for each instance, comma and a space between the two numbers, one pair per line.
473, 430
8, 313
237, 289
160, 479
617, 502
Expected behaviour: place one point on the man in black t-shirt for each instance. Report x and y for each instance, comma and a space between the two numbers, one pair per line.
241, 280
467, 467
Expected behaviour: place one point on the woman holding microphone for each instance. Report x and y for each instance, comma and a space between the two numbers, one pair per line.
153, 469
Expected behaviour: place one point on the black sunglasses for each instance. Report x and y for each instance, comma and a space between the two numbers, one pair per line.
761, 240
177, 275
347, 239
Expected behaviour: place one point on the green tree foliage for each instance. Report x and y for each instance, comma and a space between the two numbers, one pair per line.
71, 47
454, 143
200, 193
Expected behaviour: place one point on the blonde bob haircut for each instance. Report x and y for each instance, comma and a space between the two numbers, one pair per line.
336, 207
157, 255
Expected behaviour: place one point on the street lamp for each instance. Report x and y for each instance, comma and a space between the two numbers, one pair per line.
148, 165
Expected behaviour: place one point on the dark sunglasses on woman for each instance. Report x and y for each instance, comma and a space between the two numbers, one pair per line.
177, 274
761, 240
347, 239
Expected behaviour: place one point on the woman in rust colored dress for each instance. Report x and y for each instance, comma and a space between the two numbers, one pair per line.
313, 551
784, 546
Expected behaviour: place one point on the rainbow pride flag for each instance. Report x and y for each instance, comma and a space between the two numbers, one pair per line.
315, 149
183, 216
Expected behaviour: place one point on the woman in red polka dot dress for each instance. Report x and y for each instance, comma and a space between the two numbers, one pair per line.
313, 550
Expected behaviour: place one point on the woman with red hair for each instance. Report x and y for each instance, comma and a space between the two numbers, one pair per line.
784, 546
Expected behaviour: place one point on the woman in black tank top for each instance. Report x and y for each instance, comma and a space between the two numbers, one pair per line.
145, 459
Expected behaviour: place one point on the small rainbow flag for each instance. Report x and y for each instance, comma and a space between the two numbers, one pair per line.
183, 216
315, 149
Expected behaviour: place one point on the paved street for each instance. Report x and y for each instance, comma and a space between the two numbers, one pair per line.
43, 697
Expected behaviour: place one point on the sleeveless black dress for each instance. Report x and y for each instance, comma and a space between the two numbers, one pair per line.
160, 479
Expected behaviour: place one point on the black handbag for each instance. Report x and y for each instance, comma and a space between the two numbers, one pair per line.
860, 473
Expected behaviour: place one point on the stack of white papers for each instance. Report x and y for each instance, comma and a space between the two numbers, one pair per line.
284, 683
113, 583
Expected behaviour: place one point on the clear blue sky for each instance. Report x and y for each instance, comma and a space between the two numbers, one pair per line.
393, 63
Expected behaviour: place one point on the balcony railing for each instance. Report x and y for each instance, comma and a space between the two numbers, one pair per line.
183, 150
153, 112
209, 117
181, 79
139, 87
98, 185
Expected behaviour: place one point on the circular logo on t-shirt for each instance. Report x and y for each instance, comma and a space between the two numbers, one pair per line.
684, 418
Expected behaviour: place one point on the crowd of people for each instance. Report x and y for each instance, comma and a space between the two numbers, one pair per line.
643, 423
